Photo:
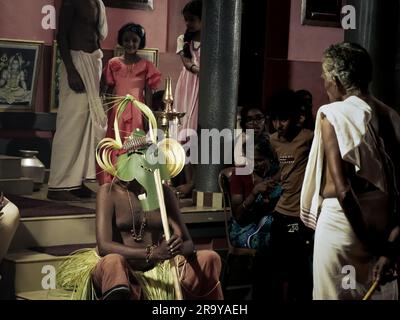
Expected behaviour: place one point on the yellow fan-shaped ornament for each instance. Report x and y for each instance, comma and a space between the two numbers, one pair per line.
174, 155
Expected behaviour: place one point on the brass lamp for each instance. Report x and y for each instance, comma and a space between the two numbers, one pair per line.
169, 119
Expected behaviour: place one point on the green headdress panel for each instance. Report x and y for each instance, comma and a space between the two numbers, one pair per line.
140, 155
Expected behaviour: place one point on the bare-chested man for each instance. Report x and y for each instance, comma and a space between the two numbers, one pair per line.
348, 175
81, 119
131, 239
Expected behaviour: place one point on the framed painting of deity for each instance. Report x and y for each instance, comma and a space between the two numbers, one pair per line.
19, 70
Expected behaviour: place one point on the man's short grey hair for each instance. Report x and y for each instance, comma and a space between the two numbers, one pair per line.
349, 63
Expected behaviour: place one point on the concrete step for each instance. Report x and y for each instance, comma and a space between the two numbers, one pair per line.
43, 231
17, 186
56, 294
24, 271
10, 167
52, 231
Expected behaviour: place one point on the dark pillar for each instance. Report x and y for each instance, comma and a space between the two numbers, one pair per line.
219, 78
377, 31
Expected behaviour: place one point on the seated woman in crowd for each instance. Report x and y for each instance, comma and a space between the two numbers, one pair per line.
253, 200
254, 196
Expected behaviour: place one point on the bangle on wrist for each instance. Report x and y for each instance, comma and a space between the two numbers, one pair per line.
191, 67
149, 252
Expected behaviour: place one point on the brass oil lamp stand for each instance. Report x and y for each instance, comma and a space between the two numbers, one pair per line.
169, 120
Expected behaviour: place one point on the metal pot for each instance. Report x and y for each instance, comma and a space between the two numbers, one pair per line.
32, 167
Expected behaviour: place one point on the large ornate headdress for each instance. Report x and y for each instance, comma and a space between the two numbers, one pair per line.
141, 156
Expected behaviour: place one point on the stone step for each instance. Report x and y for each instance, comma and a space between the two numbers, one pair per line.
56, 294
24, 271
52, 231
17, 186
50, 227
10, 167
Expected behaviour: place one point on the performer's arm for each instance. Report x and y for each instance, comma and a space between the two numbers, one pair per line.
183, 243
344, 191
66, 18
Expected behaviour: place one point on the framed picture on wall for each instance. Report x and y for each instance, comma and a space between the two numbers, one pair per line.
150, 54
130, 4
326, 13
55, 78
19, 70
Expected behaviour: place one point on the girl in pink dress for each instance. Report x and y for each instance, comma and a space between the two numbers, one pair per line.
129, 74
187, 88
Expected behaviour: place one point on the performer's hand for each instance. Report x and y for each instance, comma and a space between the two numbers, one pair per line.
75, 81
384, 271
167, 249
175, 245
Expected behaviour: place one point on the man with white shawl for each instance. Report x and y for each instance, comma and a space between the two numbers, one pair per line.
350, 160
81, 119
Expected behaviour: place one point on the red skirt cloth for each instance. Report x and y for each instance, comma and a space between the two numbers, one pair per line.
199, 277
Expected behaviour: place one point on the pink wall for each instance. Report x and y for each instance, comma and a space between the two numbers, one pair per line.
21, 19
155, 23
306, 46
307, 43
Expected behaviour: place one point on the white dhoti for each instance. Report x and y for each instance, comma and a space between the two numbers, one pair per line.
342, 268
81, 124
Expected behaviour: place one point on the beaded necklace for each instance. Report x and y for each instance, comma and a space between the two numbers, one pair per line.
137, 236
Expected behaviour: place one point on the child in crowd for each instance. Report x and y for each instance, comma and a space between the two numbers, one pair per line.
187, 88
291, 240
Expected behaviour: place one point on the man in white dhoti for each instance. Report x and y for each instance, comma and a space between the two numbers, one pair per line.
81, 119
349, 192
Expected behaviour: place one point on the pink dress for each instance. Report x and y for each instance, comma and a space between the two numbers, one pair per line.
187, 91
128, 79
